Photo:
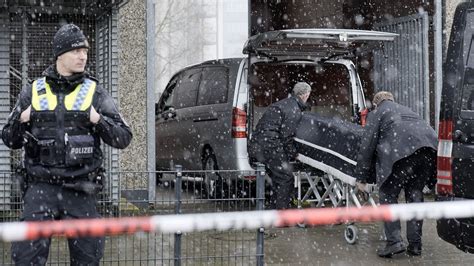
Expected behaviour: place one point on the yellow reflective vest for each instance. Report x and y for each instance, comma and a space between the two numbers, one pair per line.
80, 99
63, 131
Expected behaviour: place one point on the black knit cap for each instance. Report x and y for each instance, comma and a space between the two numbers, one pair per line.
68, 37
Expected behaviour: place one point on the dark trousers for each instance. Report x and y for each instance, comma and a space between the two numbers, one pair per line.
410, 174
281, 173
46, 202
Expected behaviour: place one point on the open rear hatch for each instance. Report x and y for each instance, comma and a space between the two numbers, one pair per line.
320, 57
313, 42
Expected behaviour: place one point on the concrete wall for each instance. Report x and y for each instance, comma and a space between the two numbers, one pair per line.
132, 80
450, 7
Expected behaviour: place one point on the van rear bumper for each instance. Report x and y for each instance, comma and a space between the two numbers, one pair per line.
459, 232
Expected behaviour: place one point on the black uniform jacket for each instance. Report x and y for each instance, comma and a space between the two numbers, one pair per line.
111, 127
393, 132
275, 130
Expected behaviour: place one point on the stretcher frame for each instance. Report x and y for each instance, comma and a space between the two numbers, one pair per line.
338, 189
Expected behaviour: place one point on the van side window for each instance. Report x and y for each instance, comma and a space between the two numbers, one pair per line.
468, 90
187, 88
214, 86
167, 98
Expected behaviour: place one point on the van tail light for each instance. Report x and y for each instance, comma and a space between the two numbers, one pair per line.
239, 123
444, 185
363, 117
250, 177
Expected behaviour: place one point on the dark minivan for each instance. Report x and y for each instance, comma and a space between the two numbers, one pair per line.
456, 129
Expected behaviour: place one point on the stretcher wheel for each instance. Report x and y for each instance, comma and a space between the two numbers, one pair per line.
301, 225
350, 234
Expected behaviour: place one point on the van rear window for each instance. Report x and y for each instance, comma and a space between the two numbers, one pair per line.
331, 88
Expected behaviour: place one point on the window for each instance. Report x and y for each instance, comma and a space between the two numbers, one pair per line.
214, 86
186, 90
167, 98
332, 92
468, 90
467, 100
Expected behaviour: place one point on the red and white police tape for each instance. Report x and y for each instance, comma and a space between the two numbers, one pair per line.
19, 231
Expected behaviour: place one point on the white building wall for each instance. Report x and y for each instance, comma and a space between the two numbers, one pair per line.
234, 30
192, 31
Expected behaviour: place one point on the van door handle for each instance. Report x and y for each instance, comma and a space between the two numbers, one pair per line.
461, 136
168, 114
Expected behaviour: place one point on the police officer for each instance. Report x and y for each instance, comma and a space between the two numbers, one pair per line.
60, 120
273, 144
404, 148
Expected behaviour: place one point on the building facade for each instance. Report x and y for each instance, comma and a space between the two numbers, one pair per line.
192, 31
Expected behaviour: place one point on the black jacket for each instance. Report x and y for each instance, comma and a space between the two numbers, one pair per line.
111, 128
277, 127
392, 132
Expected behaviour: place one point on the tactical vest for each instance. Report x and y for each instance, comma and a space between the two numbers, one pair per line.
61, 126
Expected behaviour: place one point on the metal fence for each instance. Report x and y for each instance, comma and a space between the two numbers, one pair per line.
402, 67
177, 192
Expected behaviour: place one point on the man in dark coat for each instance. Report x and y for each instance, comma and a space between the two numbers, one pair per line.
404, 146
272, 142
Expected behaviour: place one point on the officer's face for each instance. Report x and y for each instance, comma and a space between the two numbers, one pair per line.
72, 62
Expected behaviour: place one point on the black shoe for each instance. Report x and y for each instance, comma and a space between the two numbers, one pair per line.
414, 249
391, 249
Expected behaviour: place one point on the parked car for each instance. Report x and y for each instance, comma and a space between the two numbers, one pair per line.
456, 129
208, 111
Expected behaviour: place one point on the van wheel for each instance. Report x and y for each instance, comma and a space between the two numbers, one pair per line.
213, 183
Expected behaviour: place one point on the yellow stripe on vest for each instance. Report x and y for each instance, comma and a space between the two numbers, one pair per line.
42, 97
81, 98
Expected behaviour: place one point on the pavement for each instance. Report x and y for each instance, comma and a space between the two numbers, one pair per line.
321, 245
325, 245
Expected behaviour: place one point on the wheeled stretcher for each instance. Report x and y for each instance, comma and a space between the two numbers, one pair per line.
327, 149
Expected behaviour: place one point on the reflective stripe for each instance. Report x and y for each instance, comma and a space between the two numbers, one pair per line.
445, 182
81, 98
42, 97
40, 85
83, 93
239, 128
444, 174
445, 148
